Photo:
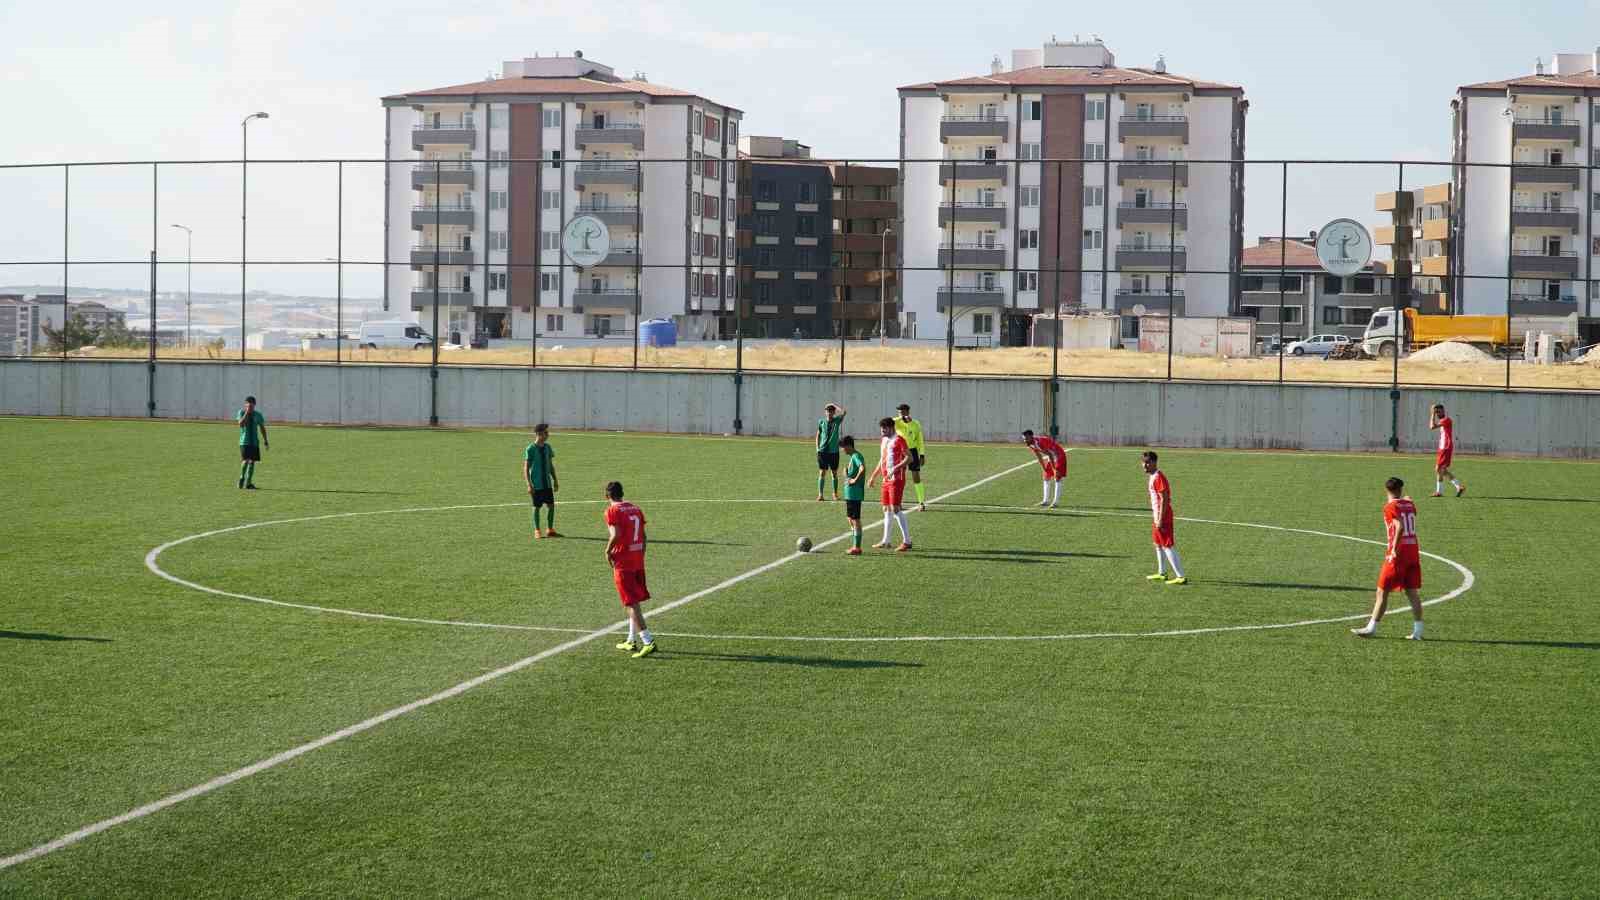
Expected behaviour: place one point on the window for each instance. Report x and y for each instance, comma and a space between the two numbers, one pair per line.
802, 258
805, 192
805, 226
1291, 284
1028, 195
550, 200
555, 158
763, 292
1094, 196
1332, 315
1027, 282
983, 323
1292, 315
764, 257
497, 199
1363, 284
766, 223
1032, 110
1094, 150
498, 159
697, 122
555, 323
1251, 283
1028, 239
802, 292
1093, 239
694, 204
497, 281
497, 241
552, 117
713, 129
1358, 316
1130, 328
549, 281
713, 246
1094, 110
1028, 151
766, 190
549, 240
1332, 284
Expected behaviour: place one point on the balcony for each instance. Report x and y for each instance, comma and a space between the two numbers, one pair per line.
1542, 305
865, 209
456, 133
1556, 176
1436, 266
1436, 230
970, 296
607, 172
865, 243
448, 296
1152, 256
1542, 264
422, 256
1152, 170
976, 170
972, 127
1547, 130
454, 172
591, 299
988, 256
1154, 302
1562, 217
611, 215
628, 133
621, 255
1153, 127
1152, 214
424, 215
972, 213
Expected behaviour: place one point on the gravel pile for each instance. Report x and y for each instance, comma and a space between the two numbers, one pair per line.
1452, 352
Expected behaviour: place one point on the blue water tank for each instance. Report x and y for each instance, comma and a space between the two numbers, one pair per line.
658, 333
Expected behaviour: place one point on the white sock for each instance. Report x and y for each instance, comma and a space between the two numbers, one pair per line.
645, 636
1055, 492
1438, 487
1456, 483
1172, 557
886, 517
1161, 563
1416, 629
631, 633
1371, 626
905, 528
1045, 498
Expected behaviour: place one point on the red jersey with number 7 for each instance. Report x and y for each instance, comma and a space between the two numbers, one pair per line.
628, 520
1400, 521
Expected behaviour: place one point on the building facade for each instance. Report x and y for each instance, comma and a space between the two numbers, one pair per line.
20, 333
503, 165
1531, 221
1282, 279
1149, 212
1422, 226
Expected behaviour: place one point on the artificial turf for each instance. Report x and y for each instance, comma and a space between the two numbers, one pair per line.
741, 760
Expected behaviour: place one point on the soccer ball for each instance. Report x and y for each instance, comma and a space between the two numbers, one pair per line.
803, 545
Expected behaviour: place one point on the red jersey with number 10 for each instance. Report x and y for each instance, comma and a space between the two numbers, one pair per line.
628, 520
1400, 521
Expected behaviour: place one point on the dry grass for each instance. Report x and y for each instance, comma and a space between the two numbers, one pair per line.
867, 358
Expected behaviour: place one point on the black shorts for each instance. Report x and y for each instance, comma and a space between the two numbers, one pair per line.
914, 464
544, 497
852, 509
827, 459
250, 452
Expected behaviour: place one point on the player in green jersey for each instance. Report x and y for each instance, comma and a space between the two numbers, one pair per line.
252, 439
539, 473
828, 446
855, 490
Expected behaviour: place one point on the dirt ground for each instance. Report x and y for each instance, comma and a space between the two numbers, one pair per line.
867, 358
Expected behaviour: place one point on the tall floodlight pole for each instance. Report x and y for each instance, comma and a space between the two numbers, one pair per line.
244, 200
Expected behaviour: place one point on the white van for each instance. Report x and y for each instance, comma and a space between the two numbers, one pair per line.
393, 334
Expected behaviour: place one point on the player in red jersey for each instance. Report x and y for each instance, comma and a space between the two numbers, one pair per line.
1402, 563
1052, 459
625, 553
893, 457
1446, 427
1161, 524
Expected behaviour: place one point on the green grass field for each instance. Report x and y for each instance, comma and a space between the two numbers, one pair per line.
800, 731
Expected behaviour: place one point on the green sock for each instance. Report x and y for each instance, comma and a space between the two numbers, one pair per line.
244, 469
550, 517
919, 492
250, 472
857, 537
836, 484
536, 518
821, 479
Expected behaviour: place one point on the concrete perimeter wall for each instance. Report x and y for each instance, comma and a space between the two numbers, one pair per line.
1106, 413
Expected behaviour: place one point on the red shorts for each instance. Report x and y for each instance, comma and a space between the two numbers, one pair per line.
893, 492
1056, 469
630, 586
1444, 459
1400, 574
1162, 534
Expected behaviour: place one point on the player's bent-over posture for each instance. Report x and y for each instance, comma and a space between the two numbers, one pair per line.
855, 490
1052, 459
539, 473
625, 553
828, 446
1161, 527
1402, 561
893, 457
252, 438
1446, 427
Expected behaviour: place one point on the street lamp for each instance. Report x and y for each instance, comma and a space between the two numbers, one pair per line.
883, 277
244, 200
188, 303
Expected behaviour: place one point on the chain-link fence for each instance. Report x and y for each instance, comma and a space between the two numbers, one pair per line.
1134, 268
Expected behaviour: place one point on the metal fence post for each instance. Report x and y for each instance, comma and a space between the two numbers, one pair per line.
433, 366
66, 256
1283, 238
950, 281
338, 274
1399, 318
1055, 291
155, 239
845, 218
1172, 260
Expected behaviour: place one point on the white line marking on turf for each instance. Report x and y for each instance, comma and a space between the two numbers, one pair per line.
270, 762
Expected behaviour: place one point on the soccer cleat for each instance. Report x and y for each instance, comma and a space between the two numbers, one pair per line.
1461, 490
881, 545
922, 507
1043, 503
646, 650
629, 646
1053, 505
550, 532
537, 534
1435, 494
1179, 580
1159, 576
853, 551
836, 496
903, 547
251, 486
1413, 637
1362, 632
819, 498
241, 484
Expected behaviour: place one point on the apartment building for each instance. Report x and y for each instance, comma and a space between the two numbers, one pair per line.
815, 258
1151, 216
20, 333
503, 165
1283, 278
1532, 221
1422, 224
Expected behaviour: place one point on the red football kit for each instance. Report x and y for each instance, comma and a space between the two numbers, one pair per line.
627, 560
1161, 501
1055, 461
893, 453
1402, 565
1447, 442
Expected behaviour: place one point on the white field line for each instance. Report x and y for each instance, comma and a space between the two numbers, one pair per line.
270, 762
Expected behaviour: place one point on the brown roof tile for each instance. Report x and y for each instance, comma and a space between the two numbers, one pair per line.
1578, 80
1048, 76
1297, 255
550, 86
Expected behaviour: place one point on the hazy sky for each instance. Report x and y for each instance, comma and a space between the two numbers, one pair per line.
99, 81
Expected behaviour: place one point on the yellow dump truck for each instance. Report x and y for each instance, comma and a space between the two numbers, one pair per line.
1489, 333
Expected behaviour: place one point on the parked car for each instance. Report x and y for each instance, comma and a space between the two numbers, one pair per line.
1318, 345
394, 334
